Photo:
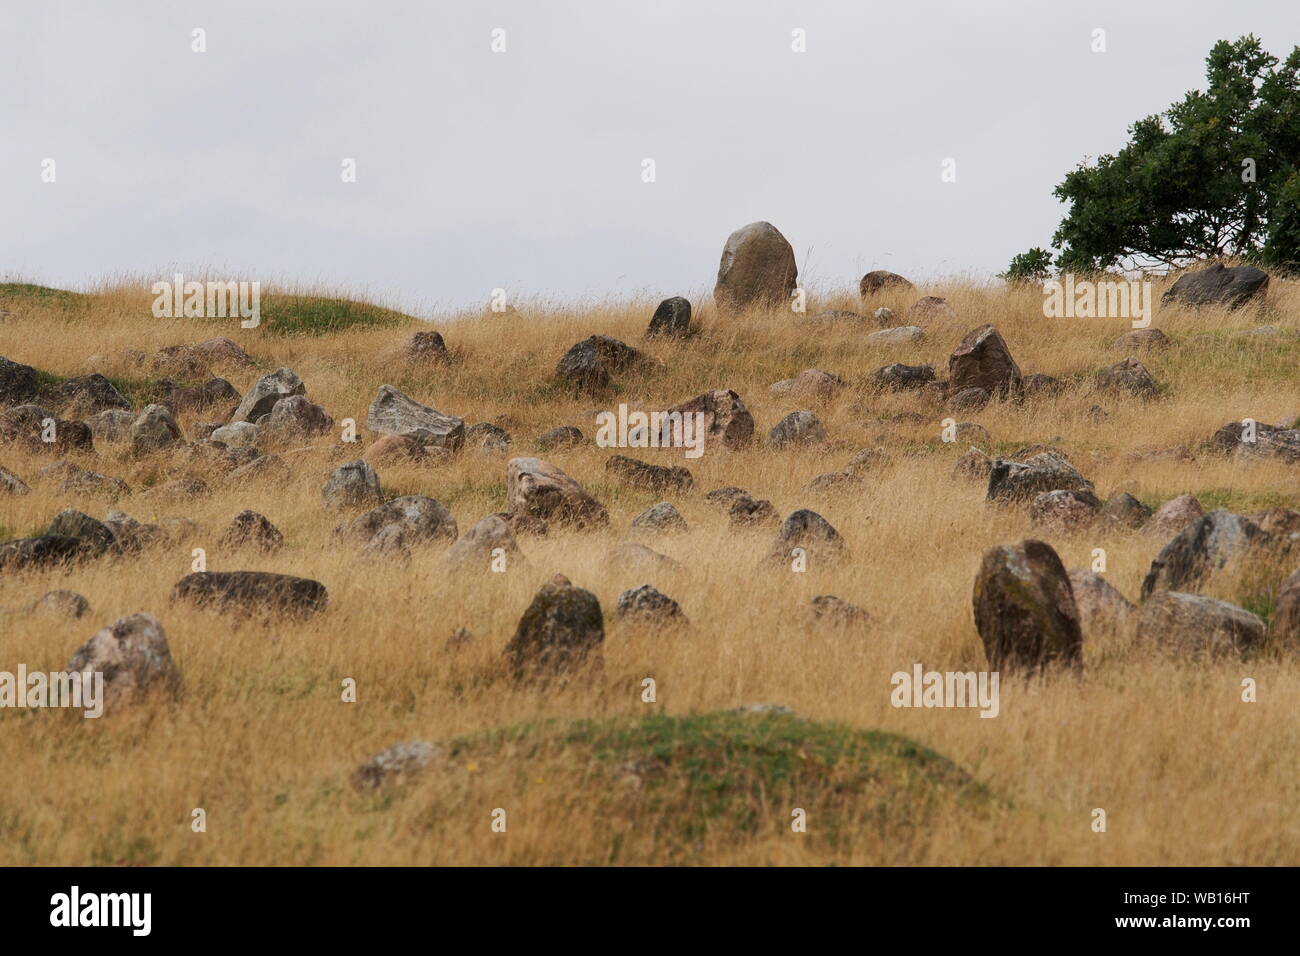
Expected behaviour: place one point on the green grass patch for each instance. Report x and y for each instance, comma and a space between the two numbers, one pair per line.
317, 315
17, 294
733, 772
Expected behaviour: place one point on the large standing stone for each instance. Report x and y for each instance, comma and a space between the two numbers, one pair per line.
246, 593
672, 318
727, 422
18, 383
352, 484
134, 658
1201, 548
562, 630
758, 269
268, 390
393, 413
983, 360
1025, 610
1197, 626
540, 490
1219, 284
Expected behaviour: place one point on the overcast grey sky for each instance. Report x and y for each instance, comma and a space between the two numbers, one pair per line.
523, 169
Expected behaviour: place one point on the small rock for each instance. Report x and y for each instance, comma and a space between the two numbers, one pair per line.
797, 428
252, 530
133, 656
352, 484
661, 518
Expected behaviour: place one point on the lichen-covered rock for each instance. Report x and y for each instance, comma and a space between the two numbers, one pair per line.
394, 413
672, 319
397, 764
1102, 609
1196, 626
266, 392
1025, 610
757, 269
352, 484
154, 430
646, 604
648, 477
1232, 286
252, 593
490, 541
1011, 480
133, 655
983, 360
422, 519
1201, 548
561, 631
540, 490
249, 529
1064, 512
807, 532
797, 428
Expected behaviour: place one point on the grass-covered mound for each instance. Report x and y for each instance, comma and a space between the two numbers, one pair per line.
17, 294
318, 315
718, 786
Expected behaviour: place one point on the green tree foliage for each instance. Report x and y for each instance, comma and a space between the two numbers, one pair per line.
1029, 266
1217, 174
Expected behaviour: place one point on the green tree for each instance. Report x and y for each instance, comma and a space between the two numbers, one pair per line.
1029, 266
1217, 174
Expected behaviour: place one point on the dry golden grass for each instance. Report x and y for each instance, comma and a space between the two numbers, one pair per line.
1187, 773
